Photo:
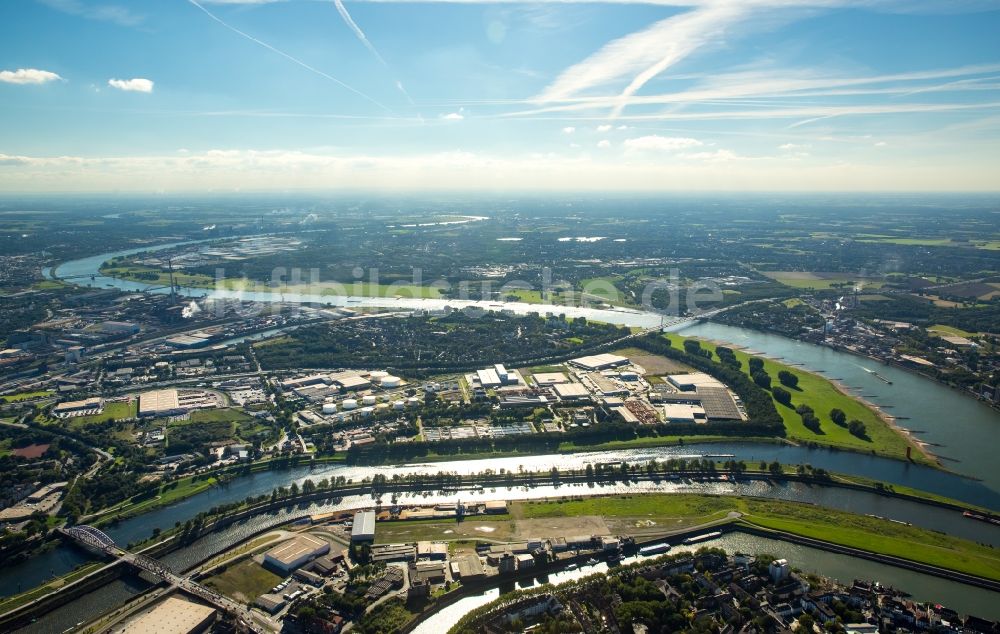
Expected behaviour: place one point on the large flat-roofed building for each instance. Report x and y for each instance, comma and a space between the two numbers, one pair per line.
684, 413
393, 552
296, 552
432, 550
303, 381
571, 391
719, 404
92, 405
187, 341
119, 327
350, 380
433, 572
496, 506
468, 568
600, 361
550, 378
363, 529
496, 376
159, 403
174, 616
693, 381
489, 378
606, 386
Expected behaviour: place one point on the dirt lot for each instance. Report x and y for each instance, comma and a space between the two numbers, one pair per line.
561, 527
653, 364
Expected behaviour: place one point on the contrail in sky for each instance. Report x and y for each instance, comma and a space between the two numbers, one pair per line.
289, 57
342, 10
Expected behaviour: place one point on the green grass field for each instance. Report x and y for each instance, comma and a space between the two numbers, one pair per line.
876, 535
24, 396
112, 411
838, 527
601, 288
941, 329
525, 295
820, 394
244, 581
217, 415
819, 280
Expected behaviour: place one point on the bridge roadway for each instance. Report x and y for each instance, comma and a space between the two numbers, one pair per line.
96, 539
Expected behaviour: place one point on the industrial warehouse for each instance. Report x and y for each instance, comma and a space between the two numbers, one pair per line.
579, 393
295, 552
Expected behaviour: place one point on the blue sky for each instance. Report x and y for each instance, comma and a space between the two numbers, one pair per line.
178, 95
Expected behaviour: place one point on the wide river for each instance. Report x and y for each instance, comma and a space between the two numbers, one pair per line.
966, 430
956, 595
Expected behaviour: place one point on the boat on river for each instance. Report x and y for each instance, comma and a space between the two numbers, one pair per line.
654, 549
982, 517
703, 537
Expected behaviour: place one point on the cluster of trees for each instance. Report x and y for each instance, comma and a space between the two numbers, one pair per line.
758, 373
773, 317
855, 426
982, 317
429, 345
195, 436
788, 379
382, 452
809, 418
728, 357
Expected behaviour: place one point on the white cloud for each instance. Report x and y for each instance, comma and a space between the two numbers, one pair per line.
645, 54
137, 84
27, 76
793, 84
603, 128
454, 116
881, 144
569, 130
603, 144
792, 147
659, 143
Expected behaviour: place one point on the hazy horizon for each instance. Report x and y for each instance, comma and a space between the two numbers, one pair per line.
630, 95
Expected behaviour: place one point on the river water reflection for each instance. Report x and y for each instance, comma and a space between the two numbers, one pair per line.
969, 432
855, 501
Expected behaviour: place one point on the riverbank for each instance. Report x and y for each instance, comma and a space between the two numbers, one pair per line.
239, 519
823, 395
189, 486
871, 534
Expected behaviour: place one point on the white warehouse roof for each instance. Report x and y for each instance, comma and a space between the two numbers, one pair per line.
364, 526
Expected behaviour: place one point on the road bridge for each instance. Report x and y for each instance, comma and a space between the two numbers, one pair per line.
97, 540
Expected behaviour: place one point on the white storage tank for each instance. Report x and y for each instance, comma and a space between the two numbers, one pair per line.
378, 375
367, 411
381, 407
329, 408
398, 405
368, 399
413, 401
391, 381
350, 403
